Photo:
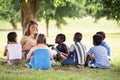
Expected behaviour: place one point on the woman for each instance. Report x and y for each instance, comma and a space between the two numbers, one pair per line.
28, 40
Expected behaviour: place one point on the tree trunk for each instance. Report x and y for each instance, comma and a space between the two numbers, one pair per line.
29, 11
13, 23
47, 26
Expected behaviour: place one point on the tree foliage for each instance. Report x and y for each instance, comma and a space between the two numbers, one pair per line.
59, 10
10, 11
103, 8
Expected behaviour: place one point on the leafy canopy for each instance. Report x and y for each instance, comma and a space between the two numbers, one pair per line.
58, 10
103, 8
9, 9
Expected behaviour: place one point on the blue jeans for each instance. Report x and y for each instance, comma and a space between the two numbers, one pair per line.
25, 54
68, 61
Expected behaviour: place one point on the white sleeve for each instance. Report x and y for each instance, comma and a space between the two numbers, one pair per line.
71, 48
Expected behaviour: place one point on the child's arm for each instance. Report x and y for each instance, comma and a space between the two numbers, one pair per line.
66, 51
22, 42
69, 54
51, 56
87, 60
5, 51
30, 53
66, 55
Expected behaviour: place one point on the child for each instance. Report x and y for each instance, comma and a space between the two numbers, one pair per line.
61, 48
97, 55
77, 53
104, 44
39, 55
13, 50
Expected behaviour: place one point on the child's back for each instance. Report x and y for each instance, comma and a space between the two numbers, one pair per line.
97, 55
41, 59
77, 55
39, 55
13, 50
104, 44
100, 54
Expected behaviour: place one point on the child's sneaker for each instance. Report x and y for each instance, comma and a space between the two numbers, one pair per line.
91, 64
53, 62
28, 65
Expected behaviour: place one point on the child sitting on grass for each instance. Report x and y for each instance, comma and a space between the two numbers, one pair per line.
39, 55
13, 50
104, 44
77, 55
61, 48
97, 55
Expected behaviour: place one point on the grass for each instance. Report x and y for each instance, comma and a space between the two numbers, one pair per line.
12, 72
88, 28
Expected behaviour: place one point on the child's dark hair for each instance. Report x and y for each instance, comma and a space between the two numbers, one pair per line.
11, 37
102, 34
78, 37
62, 37
97, 38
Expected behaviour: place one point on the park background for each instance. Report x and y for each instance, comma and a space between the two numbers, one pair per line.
84, 25
75, 14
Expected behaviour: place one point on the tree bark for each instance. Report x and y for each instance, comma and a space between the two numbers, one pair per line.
13, 23
47, 27
29, 11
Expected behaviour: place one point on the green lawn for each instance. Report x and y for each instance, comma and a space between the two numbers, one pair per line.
87, 28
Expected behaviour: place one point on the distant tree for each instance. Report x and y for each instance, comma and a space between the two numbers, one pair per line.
10, 11
49, 10
58, 11
103, 8
19, 10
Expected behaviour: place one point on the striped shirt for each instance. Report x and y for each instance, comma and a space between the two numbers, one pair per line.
78, 53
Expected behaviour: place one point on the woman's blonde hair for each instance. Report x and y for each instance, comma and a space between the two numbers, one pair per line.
41, 39
27, 30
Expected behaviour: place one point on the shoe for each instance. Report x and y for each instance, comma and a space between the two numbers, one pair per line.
79, 66
53, 62
28, 65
